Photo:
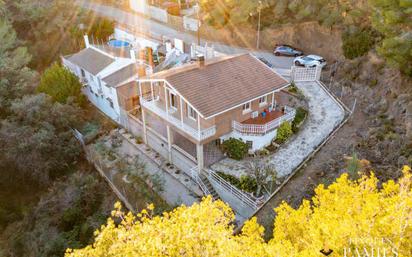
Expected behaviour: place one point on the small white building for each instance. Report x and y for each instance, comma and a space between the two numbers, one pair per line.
101, 69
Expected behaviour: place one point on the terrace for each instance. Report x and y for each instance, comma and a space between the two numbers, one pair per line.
261, 125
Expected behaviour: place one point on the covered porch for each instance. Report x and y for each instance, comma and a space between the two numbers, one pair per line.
161, 99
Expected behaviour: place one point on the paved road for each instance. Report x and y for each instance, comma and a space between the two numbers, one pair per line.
148, 26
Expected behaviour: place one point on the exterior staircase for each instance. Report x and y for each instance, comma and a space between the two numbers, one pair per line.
210, 190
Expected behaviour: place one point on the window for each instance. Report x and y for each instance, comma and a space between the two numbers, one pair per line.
249, 144
262, 100
191, 113
246, 107
173, 101
82, 73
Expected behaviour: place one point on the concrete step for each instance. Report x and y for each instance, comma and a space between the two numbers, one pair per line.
209, 186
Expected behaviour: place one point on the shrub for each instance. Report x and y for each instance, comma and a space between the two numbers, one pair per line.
299, 117
358, 42
284, 132
235, 148
246, 183
139, 140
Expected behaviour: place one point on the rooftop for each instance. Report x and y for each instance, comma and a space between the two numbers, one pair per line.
91, 60
223, 83
124, 74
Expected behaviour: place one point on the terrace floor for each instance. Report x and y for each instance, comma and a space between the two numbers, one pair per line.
260, 120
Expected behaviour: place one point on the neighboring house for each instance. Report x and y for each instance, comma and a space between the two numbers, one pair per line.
101, 69
196, 106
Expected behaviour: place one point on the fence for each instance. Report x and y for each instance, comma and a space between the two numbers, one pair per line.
222, 184
305, 73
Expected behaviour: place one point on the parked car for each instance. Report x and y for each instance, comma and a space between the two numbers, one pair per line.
287, 51
265, 62
310, 61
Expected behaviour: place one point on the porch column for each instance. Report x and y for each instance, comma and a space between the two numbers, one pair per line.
199, 154
140, 89
198, 127
167, 102
169, 143
273, 100
181, 110
151, 90
144, 125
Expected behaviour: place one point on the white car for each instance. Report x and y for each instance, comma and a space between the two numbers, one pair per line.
310, 61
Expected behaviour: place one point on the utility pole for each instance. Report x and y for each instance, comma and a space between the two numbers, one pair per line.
259, 8
198, 23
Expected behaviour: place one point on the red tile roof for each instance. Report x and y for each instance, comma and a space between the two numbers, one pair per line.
223, 83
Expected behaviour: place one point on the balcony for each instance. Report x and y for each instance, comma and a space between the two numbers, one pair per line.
263, 125
154, 106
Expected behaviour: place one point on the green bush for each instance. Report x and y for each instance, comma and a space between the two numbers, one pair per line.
299, 117
235, 148
284, 132
248, 184
245, 183
358, 42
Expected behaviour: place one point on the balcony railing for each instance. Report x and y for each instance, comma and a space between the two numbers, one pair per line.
262, 129
199, 135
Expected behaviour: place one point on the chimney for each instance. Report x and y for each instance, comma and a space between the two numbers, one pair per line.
201, 60
132, 55
86, 41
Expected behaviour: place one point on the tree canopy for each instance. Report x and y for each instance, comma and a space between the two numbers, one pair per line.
346, 216
60, 84
393, 20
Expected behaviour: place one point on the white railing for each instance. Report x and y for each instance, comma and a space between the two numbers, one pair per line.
224, 185
196, 134
194, 174
252, 129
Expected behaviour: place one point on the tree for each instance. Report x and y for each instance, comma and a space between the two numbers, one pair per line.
15, 77
265, 175
392, 19
36, 140
59, 83
346, 216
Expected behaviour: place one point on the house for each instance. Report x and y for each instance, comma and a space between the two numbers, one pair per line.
193, 108
101, 69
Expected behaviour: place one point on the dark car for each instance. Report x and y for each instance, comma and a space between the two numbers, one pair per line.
287, 50
265, 62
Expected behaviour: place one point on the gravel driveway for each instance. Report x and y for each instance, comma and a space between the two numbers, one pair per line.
324, 115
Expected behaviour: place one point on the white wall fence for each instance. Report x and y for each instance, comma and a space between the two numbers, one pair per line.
157, 13
305, 73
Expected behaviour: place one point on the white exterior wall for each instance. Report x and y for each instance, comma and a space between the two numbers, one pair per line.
139, 6
190, 23
259, 142
100, 101
158, 13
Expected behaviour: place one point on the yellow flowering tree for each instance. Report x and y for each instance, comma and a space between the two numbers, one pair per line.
349, 218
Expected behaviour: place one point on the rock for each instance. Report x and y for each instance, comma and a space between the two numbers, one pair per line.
408, 121
402, 160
